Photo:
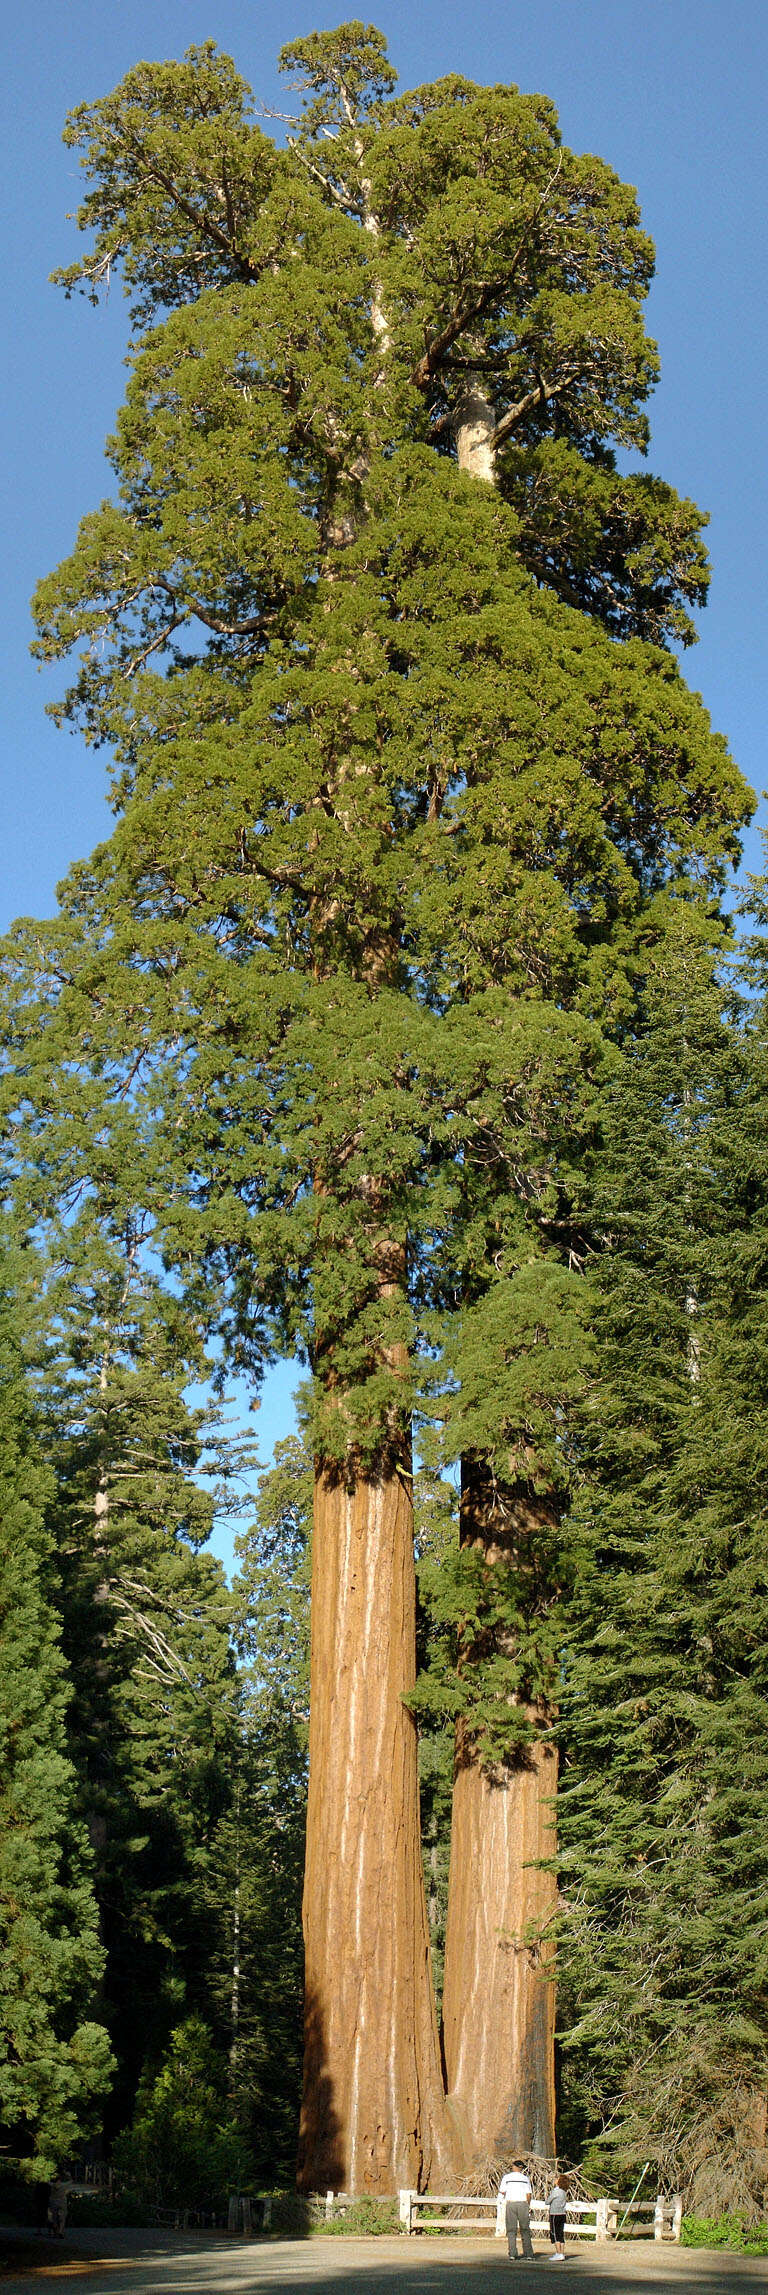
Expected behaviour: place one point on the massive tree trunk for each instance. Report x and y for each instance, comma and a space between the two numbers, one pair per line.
498, 1999
373, 2114
498, 2007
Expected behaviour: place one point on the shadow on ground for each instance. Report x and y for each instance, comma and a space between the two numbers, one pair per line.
163, 2263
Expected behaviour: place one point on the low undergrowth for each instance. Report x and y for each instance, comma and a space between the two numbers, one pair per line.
730, 2231
362, 2219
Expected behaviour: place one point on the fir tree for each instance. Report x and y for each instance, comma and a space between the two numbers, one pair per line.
55, 2059
663, 1815
268, 1820
146, 1622
144, 1611
184, 2147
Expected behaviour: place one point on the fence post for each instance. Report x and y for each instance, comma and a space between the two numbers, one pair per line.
677, 2216
658, 2218
601, 2220
501, 2217
405, 2211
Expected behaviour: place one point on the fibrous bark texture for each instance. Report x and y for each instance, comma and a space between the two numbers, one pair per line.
498, 2000
498, 2004
373, 2115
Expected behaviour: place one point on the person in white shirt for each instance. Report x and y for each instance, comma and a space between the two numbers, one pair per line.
515, 2190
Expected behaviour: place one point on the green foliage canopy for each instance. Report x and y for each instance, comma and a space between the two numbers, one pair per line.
55, 2060
664, 1692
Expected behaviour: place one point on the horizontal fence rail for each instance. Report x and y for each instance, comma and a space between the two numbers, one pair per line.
464, 2214
596, 2219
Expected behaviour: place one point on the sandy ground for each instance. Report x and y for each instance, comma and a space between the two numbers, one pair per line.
158, 2263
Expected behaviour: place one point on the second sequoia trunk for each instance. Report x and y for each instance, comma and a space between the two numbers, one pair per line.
373, 2116
498, 2002
498, 1999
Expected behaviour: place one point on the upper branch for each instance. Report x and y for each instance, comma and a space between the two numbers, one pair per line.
542, 394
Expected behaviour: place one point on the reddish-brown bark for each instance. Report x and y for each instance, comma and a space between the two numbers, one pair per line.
498, 1999
373, 2114
498, 2003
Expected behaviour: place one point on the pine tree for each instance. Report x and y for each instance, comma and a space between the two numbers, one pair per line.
388, 815
663, 1815
55, 2059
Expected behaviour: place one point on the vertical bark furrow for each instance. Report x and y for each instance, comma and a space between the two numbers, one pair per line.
373, 2112
498, 2004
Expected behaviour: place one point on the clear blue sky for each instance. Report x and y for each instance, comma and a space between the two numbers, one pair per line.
673, 93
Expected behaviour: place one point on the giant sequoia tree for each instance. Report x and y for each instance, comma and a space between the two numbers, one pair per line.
393, 801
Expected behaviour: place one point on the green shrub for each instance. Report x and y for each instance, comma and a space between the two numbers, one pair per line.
725, 2231
364, 2219
89, 2210
184, 2148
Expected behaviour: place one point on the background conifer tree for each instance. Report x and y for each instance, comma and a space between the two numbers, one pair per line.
664, 1707
55, 2060
266, 1826
144, 1612
146, 1624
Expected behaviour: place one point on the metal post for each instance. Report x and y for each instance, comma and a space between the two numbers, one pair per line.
631, 2202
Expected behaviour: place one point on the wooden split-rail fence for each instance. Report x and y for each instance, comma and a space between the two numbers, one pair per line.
597, 2219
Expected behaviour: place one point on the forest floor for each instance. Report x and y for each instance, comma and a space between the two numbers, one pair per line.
170, 2263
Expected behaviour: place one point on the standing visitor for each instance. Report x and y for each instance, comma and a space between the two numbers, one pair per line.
58, 2194
557, 2204
515, 2190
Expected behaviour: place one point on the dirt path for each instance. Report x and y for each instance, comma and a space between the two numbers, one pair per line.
147, 2263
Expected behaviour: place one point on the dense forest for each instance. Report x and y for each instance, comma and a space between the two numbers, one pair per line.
402, 1027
